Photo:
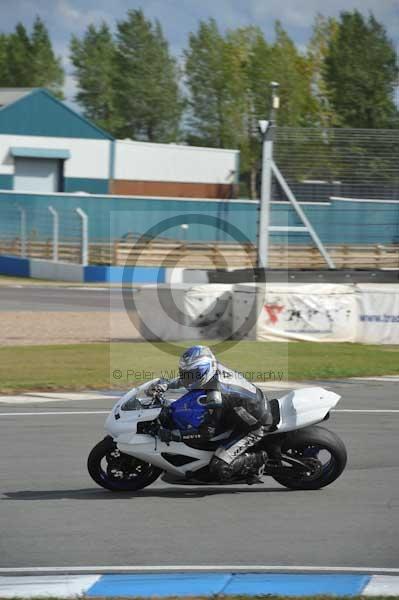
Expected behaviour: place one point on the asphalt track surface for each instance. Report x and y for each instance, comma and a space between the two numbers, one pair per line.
52, 514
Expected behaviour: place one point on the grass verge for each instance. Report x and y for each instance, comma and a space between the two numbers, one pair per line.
89, 366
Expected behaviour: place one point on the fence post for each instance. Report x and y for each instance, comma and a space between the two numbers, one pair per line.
84, 247
55, 232
267, 129
22, 226
265, 195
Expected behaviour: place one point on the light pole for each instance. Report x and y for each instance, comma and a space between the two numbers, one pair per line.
267, 131
184, 227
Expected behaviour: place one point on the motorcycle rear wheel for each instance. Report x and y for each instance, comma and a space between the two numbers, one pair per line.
113, 470
311, 445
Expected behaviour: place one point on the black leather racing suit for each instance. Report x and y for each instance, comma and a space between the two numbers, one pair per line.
232, 403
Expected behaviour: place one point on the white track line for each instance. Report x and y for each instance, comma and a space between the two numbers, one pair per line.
366, 410
36, 414
197, 569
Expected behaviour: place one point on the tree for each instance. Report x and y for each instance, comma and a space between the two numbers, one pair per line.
19, 59
148, 98
324, 31
361, 72
3, 59
47, 70
251, 72
291, 70
228, 78
29, 61
94, 60
207, 78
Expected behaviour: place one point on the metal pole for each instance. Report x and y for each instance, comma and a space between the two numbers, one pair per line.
308, 226
265, 195
55, 232
267, 130
84, 238
23, 230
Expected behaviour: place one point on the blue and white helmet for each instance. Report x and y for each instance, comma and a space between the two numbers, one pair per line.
197, 366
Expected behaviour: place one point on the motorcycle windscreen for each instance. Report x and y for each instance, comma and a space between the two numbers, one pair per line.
187, 412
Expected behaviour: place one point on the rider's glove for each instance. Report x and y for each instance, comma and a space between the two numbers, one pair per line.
158, 387
207, 431
169, 435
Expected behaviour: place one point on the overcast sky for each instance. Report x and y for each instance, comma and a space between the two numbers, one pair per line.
179, 17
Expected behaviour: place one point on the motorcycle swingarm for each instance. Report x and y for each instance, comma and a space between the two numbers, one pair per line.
274, 465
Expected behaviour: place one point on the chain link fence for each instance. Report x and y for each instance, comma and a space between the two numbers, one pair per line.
352, 163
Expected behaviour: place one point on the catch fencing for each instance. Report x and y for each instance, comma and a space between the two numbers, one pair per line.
351, 163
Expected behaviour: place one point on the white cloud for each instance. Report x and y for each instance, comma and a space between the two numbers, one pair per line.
76, 13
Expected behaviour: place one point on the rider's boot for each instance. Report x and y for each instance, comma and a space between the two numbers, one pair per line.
250, 465
258, 466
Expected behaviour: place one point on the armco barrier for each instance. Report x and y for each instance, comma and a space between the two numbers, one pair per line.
60, 271
94, 274
57, 271
16, 267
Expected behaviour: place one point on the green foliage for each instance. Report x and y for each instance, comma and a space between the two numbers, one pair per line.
324, 32
46, 68
94, 60
29, 61
148, 99
291, 70
228, 78
18, 66
361, 73
3, 58
208, 78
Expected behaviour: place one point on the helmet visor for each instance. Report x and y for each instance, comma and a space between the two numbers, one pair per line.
194, 378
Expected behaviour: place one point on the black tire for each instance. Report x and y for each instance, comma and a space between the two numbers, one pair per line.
317, 438
136, 474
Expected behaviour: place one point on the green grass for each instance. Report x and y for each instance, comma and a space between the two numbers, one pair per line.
72, 367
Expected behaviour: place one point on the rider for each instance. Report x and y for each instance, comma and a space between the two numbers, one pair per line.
232, 402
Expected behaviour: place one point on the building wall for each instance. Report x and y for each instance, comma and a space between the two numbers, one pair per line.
148, 169
87, 169
171, 188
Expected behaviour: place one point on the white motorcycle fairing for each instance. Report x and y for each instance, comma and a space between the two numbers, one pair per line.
298, 409
304, 407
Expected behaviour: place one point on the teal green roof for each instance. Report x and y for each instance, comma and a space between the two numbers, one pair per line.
39, 113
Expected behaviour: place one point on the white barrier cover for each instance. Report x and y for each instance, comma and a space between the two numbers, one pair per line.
183, 312
366, 313
209, 311
378, 313
159, 312
311, 312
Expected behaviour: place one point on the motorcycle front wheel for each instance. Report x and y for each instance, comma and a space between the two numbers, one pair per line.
324, 453
113, 470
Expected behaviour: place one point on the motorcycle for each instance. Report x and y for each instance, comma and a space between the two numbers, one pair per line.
301, 455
